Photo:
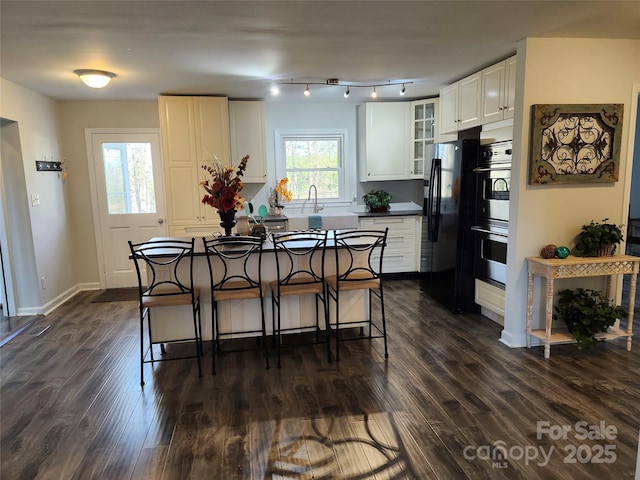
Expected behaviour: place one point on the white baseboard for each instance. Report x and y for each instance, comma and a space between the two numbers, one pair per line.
50, 306
513, 341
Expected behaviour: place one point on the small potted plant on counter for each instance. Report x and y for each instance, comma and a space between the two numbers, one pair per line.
377, 200
598, 239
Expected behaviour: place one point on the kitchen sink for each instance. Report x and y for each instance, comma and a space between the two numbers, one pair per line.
325, 221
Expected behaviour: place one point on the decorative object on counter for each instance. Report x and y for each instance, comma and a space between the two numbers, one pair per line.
262, 212
586, 313
377, 200
562, 252
223, 190
575, 143
548, 251
279, 196
259, 230
598, 239
242, 226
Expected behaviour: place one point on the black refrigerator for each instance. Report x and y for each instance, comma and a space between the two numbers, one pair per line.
446, 260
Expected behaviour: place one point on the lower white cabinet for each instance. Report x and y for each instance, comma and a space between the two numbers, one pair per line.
402, 253
491, 299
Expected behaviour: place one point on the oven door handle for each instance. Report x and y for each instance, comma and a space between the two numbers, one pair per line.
490, 169
476, 228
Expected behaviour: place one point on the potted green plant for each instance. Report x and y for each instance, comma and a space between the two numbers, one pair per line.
377, 200
586, 313
598, 239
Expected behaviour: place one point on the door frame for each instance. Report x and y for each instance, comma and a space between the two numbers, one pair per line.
88, 134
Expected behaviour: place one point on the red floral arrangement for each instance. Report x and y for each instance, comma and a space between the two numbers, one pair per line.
224, 186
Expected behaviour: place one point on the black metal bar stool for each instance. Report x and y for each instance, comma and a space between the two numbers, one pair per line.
237, 275
165, 279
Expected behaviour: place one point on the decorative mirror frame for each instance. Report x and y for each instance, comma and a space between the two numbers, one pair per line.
575, 144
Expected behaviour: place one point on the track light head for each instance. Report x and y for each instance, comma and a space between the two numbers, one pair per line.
307, 92
275, 89
374, 94
346, 94
403, 91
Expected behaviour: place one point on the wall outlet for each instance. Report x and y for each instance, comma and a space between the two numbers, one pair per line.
43, 282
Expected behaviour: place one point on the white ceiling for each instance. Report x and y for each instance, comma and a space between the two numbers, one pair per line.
238, 48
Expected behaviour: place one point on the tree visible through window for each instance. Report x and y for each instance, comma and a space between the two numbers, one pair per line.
128, 172
314, 160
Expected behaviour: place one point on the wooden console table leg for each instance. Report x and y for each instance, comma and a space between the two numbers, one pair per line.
549, 318
632, 304
529, 308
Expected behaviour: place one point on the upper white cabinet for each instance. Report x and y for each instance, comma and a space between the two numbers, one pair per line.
423, 133
498, 92
195, 130
247, 131
383, 141
461, 104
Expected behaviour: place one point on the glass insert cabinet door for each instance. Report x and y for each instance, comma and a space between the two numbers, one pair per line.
423, 134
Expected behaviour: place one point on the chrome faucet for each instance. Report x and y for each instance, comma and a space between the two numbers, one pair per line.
316, 207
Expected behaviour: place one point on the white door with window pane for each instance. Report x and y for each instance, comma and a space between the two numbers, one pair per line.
128, 196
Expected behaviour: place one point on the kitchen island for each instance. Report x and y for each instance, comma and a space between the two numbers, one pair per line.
242, 315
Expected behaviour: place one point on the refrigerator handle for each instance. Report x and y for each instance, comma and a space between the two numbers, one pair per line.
435, 195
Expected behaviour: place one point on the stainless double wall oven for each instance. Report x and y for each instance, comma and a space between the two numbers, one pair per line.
491, 229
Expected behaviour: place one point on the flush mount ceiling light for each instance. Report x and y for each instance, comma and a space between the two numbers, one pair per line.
334, 82
95, 78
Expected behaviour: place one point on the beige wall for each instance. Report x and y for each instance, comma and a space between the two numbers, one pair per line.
52, 252
561, 70
74, 118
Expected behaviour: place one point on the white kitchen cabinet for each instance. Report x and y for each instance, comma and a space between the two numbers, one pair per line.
383, 141
195, 130
423, 133
402, 253
247, 135
461, 104
498, 91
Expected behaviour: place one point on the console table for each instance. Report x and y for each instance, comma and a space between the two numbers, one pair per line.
573, 267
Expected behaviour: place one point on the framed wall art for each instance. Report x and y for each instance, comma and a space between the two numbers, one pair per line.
574, 144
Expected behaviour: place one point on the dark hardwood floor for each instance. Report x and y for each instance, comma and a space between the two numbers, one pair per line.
451, 402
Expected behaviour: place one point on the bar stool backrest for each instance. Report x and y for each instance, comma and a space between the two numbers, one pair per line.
240, 265
300, 257
359, 253
168, 265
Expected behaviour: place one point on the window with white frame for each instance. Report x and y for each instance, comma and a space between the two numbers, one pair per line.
313, 158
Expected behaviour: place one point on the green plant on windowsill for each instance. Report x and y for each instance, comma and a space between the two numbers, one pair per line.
586, 313
377, 200
598, 239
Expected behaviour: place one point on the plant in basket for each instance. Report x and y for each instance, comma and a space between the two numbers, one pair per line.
598, 239
586, 313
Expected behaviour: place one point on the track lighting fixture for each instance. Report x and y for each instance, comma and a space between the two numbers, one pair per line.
275, 89
334, 82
